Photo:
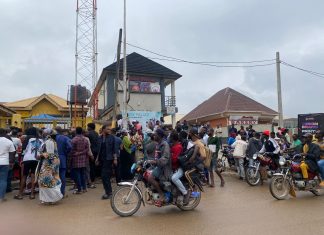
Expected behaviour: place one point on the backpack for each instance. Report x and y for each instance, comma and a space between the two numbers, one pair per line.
184, 157
208, 158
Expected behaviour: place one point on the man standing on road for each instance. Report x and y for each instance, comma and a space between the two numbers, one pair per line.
94, 139
64, 148
214, 145
106, 158
80, 149
7, 155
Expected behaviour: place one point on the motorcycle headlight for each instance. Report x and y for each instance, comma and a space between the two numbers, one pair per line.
255, 156
282, 161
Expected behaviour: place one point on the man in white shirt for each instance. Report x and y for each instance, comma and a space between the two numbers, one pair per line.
7, 155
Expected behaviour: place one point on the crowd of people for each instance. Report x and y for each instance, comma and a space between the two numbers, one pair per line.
247, 142
44, 158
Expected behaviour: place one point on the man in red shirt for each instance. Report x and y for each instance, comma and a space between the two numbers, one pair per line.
176, 150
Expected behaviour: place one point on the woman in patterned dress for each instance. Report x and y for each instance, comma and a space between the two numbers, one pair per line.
49, 180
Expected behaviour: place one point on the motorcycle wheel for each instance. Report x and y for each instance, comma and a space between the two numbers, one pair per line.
315, 192
249, 175
119, 204
279, 187
193, 203
221, 165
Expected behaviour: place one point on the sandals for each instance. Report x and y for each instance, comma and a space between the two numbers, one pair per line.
18, 197
31, 197
77, 192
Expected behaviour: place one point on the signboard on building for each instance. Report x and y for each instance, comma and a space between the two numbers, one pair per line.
171, 110
310, 123
243, 120
144, 85
144, 117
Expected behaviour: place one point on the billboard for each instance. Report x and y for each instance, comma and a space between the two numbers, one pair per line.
310, 123
144, 117
144, 85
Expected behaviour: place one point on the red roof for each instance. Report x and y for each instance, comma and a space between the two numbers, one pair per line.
228, 100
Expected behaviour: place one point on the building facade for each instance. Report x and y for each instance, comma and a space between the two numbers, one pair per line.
147, 81
36, 111
228, 107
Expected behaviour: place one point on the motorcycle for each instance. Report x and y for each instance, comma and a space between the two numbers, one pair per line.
128, 197
261, 162
227, 155
290, 179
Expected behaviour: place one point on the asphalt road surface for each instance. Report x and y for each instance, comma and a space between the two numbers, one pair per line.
235, 209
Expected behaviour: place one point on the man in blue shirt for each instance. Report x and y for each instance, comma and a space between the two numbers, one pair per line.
64, 147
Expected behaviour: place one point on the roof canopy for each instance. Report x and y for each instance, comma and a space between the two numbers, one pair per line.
28, 104
140, 65
228, 101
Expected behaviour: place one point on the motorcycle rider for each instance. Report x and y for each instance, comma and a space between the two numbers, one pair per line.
162, 162
254, 146
311, 155
320, 142
270, 146
176, 150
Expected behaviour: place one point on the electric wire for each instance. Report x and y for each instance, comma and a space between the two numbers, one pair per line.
200, 62
302, 69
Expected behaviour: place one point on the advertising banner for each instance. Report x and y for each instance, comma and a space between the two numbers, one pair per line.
144, 117
144, 85
310, 123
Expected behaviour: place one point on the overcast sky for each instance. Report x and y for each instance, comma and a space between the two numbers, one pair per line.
37, 46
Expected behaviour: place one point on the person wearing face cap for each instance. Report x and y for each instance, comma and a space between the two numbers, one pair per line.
162, 162
311, 155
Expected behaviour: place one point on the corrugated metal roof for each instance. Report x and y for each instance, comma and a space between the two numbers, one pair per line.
227, 100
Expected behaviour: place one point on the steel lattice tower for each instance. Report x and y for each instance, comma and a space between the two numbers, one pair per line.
86, 44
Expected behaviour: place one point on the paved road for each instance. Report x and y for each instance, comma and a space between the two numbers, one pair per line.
235, 209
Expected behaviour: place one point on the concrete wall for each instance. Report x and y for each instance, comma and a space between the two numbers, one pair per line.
144, 102
45, 107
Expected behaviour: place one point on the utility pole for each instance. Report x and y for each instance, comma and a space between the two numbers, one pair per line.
125, 125
117, 78
279, 90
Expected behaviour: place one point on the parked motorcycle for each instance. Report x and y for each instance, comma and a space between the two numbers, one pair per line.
260, 162
290, 179
128, 197
227, 156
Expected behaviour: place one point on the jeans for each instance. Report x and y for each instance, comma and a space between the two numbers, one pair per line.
3, 180
176, 180
239, 163
9, 178
106, 172
321, 167
63, 180
80, 178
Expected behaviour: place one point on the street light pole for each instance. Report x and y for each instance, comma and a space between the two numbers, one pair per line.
280, 111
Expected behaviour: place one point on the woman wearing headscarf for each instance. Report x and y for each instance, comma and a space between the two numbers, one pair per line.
49, 180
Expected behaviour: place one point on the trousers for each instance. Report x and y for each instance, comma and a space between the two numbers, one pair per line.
304, 168
321, 167
176, 180
106, 172
63, 180
3, 180
80, 178
239, 163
